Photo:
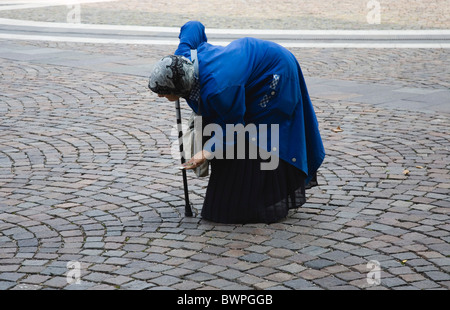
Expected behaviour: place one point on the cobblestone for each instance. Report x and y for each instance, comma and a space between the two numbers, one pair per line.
283, 14
87, 175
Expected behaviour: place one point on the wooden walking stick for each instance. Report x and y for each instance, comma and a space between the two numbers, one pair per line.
187, 207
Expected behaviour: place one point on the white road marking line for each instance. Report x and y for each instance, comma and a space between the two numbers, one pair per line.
242, 32
223, 43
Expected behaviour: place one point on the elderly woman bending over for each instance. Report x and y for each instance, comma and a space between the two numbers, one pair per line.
255, 84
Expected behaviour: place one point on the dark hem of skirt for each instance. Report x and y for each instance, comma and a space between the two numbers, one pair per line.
239, 192
313, 182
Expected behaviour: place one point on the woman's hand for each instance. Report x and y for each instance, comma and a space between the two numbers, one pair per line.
197, 160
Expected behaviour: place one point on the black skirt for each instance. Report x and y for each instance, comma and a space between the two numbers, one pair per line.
239, 192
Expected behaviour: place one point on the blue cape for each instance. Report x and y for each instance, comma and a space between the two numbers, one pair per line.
253, 81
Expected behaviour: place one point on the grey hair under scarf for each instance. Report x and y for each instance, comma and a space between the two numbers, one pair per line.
172, 75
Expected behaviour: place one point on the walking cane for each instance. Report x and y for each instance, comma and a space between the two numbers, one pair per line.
187, 207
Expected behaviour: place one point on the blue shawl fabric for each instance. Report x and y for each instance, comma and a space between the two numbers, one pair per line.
252, 81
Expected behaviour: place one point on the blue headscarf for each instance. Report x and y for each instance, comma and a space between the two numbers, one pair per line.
196, 37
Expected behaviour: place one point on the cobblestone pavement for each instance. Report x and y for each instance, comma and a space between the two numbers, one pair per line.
262, 14
422, 68
87, 175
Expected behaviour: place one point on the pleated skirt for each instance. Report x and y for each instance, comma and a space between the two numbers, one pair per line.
239, 192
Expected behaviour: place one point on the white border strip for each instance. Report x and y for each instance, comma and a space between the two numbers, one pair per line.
241, 32
223, 43
85, 39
